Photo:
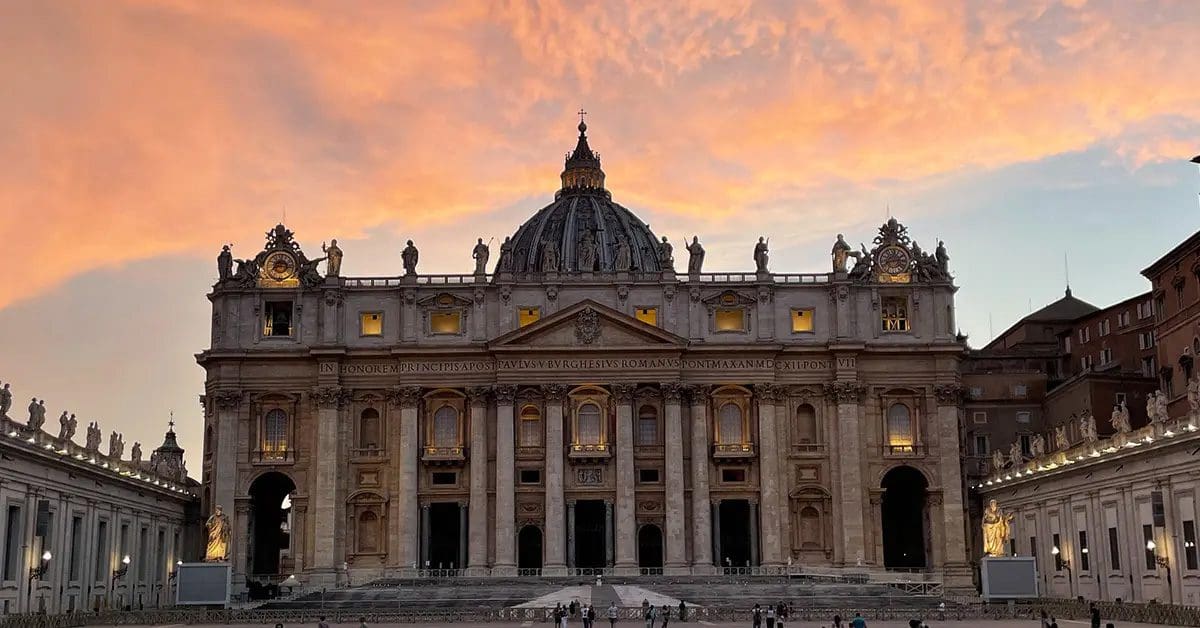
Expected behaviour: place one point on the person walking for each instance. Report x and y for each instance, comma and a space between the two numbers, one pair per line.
591, 615
583, 614
666, 615
858, 622
362, 622
612, 615
322, 623
770, 616
756, 616
837, 621
1095, 612
651, 615
682, 611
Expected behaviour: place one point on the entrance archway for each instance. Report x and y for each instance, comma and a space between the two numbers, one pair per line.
650, 548
268, 530
529, 548
445, 535
903, 513
590, 544
734, 515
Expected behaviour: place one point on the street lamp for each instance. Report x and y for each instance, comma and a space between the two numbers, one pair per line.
36, 574
1163, 561
119, 573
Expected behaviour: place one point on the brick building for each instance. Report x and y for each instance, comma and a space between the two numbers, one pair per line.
1175, 285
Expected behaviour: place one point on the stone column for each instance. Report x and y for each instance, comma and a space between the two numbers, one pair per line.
768, 473
754, 555
506, 511
715, 507
703, 524
847, 394
425, 537
299, 532
225, 458
462, 534
937, 549
328, 462
626, 506
676, 544
608, 533
555, 539
411, 551
478, 539
957, 570
571, 534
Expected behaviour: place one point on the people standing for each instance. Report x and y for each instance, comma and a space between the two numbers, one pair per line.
322, 623
666, 615
651, 615
858, 622
770, 616
756, 616
1095, 612
837, 621
682, 611
612, 615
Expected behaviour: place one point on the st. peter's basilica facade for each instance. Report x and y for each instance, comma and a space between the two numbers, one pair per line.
585, 406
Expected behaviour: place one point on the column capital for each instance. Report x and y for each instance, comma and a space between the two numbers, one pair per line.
767, 392
226, 399
697, 393
554, 392
404, 396
623, 392
672, 391
948, 394
845, 392
505, 393
478, 394
330, 396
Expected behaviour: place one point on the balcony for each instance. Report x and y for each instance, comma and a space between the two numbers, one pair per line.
732, 452
369, 454
808, 449
444, 456
581, 452
273, 456
904, 451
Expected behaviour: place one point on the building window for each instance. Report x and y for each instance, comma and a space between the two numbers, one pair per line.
730, 319
1179, 293
981, 445
1189, 545
1026, 444
531, 427
528, 315
1145, 340
589, 425
1114, 549
900, 436
1160, 306
976, 392
368, 429
76, 549
802, 320
1066, 344
647, 434
143, 553
160, 554
1085, 362
531, 476
12, 542
1023, 416
895, 314
1058, 559
1019, 391
1147, 537
1085, 334
648, 476
101, 550
1148, 366
730, 424
1123, 319
445, 427
445, 322
1084, 559
648, 315
733, 476
370, 324
1033, 548
806, 424
275, 436
444, 478
278, 319
1105, 356
1105, 328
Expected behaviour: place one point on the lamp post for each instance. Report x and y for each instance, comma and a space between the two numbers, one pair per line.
117, 574
35, 575
1163, 561
1066, 565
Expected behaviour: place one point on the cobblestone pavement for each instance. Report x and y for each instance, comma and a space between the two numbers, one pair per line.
977, 623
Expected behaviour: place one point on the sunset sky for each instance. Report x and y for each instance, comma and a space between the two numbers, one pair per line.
136, 137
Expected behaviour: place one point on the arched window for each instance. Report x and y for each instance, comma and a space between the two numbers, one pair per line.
275, 436
900, 436
589, 425
531, 427
730, 424
806, 424
647, 432
445, 427
368, 532
368, 429
810, 528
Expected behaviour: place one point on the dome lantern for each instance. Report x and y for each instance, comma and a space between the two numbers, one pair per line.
582, 172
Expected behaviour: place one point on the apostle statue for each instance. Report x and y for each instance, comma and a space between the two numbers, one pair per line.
997, 460
1160, 406
1151, 408
480, 254
1014, 454
219, 533
116, 445
224, 264
333, 258
1060, 438
5, 401
943, 259
1038, 447
585, 252
1087, 427
841, 253
93, 437
666, 255
760, 255
409, 258
65, 429
624, 258
1193, 395
505, 265
1120, 419
549, 257
33, 414
996, 527
135, 454
695, 256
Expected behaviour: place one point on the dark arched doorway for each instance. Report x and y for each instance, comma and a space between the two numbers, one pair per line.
650, 549
733, 519
270, 507
529, 548
903, 512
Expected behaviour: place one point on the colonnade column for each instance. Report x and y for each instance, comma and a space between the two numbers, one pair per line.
477, 541
702, 517
328, 463
506, 513
555, 542
953, 507
768, 473
676, 545
410, 550
846, 394
626, 507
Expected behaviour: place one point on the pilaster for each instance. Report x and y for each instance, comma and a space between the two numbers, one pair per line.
703, 538
328, 461
626, 506
953, 508
676, 545
408, 524
477, 542
506, 513
848, 395
555, 541
768, 474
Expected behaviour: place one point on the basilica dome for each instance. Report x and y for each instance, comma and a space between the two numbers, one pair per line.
583, 230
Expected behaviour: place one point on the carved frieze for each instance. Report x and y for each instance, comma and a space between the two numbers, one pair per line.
623, 392
227, 399
948, 394
404, 396
587, 326
589, 476
767, 392
554, 392
696, 393
845, 392
672, 391
478, 394
330, 396
505, 393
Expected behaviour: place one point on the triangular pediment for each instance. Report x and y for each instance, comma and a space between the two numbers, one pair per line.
588, 324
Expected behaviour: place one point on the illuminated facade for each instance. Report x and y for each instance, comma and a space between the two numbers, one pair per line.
582, 406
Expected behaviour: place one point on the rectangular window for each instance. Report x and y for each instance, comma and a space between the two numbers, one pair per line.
733, 476
1148, 366
979, 416
1105, 356
1123, 319
160, 555
648, 476
1058, 559
648, 315
1189, 545
1033, 547
1147, 537
445, 322
370, 324
1020, 390
531, 476
1085, 362
647, 434
1026, 444
101, 550
143, 550
12, 542
444, 478
1114, 549
76, 563
1066, 344
981, 445
1120, 399
1084, 559
528, 315
277, 319
730, 319
894, 316
1105, 327
802, 321
1023, 417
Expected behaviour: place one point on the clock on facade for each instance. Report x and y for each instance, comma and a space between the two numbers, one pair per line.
893, 260
280, 266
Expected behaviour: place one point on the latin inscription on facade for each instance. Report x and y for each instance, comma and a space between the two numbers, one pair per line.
590, 364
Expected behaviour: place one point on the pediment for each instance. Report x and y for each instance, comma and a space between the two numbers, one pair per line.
590, 325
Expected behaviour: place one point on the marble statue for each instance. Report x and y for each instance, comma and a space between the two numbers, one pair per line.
63, 419
695, 256
72, 424
1160, 406
666, 255
1087, 427
216, 549
116, 445
1038, 446
409, 258
624, 257
505, 264
1014, 454
549, 257
841, 253
33, 412
760, 255
996, 526
1193, 395
333, 258
1120, 419
943, 259
997, 460
93, 437
224, 263
135, 454
585, 252
5, 401
1060, 438
1151, 408
480, 254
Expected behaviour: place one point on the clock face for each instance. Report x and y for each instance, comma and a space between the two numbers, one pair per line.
893, 260
280, 266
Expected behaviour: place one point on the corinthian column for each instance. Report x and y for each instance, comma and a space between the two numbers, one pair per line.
555, 517
768, 474
676, 546
702, 537
477, 541
626, 507
846, 394
506, 513
408, 521
328, 462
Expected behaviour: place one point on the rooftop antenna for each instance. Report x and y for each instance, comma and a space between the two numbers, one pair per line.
1067, 271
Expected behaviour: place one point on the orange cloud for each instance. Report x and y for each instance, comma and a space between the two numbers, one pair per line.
138, 129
